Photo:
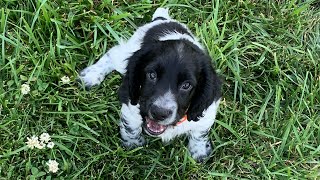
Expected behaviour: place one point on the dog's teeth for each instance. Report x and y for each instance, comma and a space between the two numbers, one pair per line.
154, 126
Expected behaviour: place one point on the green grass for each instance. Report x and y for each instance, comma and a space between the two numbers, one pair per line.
267, 52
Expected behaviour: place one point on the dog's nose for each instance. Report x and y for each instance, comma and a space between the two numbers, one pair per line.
159, 113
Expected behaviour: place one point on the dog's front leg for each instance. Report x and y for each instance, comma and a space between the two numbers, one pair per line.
131, 126
199, 146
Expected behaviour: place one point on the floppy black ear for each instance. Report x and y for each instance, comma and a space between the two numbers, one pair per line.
207, 90
132, 81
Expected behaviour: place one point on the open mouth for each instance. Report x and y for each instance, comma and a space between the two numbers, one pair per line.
153, 127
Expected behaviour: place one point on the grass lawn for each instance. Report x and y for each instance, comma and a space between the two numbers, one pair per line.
267, 52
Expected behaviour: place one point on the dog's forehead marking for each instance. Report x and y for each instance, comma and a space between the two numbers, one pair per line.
178, 36
180, 48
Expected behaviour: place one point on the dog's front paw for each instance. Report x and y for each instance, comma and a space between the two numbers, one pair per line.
200, 150
91, 76
134, 143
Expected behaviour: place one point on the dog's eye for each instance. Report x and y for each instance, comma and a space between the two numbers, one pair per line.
152, 76
186, 86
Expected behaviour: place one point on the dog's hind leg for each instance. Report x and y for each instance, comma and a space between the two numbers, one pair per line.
114, 59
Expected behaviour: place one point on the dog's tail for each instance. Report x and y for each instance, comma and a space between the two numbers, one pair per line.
161, 14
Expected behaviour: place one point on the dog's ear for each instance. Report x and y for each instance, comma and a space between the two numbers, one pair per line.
134, 77
207, 90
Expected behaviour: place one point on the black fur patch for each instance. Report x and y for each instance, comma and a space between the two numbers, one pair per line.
164, 28
175, 62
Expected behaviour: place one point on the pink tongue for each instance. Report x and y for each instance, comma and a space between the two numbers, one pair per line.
155, 127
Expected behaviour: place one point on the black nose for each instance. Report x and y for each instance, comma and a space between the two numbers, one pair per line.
159, 113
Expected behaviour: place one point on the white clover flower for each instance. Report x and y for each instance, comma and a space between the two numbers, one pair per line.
50, 145
45, 137
25, 88
65, 79
32, 142
40, 145
53, 165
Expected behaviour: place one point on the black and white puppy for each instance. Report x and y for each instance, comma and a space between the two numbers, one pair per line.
169, 87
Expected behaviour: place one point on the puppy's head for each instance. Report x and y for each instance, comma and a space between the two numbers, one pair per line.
169, 80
